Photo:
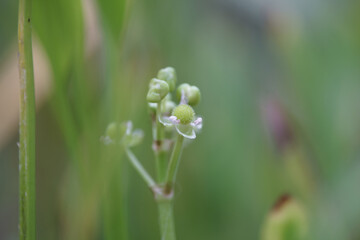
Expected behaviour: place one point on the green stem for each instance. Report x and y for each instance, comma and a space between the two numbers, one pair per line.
140, 169
159, 126
160, 153
166, 220
161, 165
165, 205
27, 218
173, 164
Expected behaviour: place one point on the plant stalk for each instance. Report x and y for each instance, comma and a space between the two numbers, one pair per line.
27, 218
173, 164
160, 153
140, 169
165, 205
166, 220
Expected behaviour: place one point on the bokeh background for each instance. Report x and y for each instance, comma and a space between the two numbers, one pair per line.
280, 83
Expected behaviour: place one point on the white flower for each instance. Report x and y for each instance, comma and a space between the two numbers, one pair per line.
183, 120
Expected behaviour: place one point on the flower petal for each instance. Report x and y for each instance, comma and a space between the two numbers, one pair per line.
135, 138
186, 130
197, 124
129, 127
166, 121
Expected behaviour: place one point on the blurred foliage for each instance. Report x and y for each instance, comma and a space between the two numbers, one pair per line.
280, 94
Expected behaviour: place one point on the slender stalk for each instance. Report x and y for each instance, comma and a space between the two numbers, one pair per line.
166, 216
160, 154
159, 126
161, 165
140, 169
27, 219
173, 164
166, 219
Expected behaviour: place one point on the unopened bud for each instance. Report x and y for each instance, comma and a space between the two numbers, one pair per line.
113, 131
191, 93
168, 106
168, 74
158, 89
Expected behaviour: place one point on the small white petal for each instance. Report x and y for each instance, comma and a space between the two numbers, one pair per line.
198, 121
186, 130
129, 127
197, 124
135, 138
166, 121
198, 127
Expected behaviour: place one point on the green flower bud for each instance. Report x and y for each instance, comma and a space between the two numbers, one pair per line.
122, 133
134, 139
158, 89
287, 220
168, 106
168, 74
113, 131
184, 113
113, 134
192, 93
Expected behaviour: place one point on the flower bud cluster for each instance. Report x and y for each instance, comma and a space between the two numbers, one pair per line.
169, 119
165, 82
182, 117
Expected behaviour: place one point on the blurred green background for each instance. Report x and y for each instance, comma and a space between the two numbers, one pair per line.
280, 83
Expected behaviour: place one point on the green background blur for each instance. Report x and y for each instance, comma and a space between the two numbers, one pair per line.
280, 83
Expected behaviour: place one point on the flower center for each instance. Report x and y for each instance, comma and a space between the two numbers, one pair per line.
184, 113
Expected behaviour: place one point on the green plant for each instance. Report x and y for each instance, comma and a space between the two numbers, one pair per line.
166, 118
27, 217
